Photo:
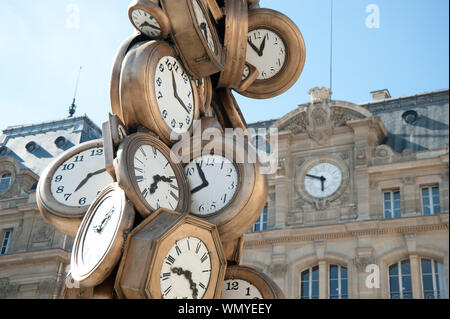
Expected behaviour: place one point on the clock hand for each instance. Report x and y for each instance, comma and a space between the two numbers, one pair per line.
203, 27
262, 47
253, 46
154, 186
146, 24
315, 177
322, 180
175, 93
99, 228
188, 275
84, 181
204, 184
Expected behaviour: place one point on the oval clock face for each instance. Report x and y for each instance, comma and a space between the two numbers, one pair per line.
79, 180
203, 24
173, 90
323, 180
214, 181
240, 289
186, 270
146, 23
266, 51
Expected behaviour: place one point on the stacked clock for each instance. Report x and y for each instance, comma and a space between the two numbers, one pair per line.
155, 212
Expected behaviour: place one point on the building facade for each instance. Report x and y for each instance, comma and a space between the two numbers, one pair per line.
375, 227
382, 230
33, 256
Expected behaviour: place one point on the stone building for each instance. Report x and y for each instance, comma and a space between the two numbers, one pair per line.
382, 229
384, 213
33, 256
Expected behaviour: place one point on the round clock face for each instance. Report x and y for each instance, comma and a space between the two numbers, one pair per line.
99, 232
203, 24
240, 289
186, 270
173, 90
266, 51
155, 178
79, 180
146, 23
323, 180
214, 181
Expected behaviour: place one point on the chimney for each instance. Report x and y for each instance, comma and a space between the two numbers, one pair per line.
380, 95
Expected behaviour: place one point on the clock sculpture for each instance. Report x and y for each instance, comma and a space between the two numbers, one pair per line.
150, 222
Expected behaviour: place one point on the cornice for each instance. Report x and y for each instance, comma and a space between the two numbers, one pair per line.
34, 257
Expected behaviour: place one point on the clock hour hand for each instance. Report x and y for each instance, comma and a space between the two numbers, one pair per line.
315, 177
262, 47
99, 228
253, 46
188, 275
84, 181
175, 93
204, 184
156, 180
203, 27
146, 24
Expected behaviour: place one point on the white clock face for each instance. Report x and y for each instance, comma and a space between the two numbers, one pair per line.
174, 95
246, 72
146, 23
79, 180
186, 270
203, 24
323, 180
213, 180
156, 178
240, 289
266, 51
99, 232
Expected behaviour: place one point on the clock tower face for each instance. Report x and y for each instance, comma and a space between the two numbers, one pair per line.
323, 180
186, 270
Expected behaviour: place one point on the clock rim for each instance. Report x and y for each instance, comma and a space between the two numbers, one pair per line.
154, 10
124, 168
137, 90
104, 267
265, 285
295, 59
64, 218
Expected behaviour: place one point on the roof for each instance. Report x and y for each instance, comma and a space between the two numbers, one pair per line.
34, 146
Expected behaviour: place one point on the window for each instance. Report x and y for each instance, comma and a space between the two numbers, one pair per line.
433, 280
431, 203
309, 285
5, 182
392, 205
261, 223
5, 242
400, 286
338, 284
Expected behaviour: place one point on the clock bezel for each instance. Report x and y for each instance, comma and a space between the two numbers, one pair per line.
153, 9
289, 33
126, 177
64, 218
307, 166
97, 274
265, 285
137, 90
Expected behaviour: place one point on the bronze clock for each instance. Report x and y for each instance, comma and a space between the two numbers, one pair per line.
148, 18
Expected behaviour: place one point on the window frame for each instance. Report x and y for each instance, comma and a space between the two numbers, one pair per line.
310, 283
260, 221
339, 281
391, 193
433, 276
431, 203
4, 247
400, 279
9, 177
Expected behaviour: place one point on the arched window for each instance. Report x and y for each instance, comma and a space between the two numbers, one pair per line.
309, 283
5, 182
400, 286
433, 279
338, 282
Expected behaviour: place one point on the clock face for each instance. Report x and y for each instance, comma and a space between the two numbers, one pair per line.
79, 180
146, 23
99, 232
266, 51
240, 289
214, 181
204, 26
156, 178
246, 72
173, 91
323, 180
186, 270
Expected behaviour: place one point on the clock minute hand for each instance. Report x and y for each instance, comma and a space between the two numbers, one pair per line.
203, 27
315, 177
175, 93
188, 275
253, 46
262, 47
84, 181
146, 24
204, 184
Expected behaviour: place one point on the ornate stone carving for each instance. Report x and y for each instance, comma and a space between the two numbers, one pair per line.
319, 126
278, 270
361, 262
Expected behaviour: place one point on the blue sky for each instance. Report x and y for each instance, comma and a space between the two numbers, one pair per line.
42, 48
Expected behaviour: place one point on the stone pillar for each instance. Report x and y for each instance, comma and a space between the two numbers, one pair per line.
323, 279
281, 202
416, 278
